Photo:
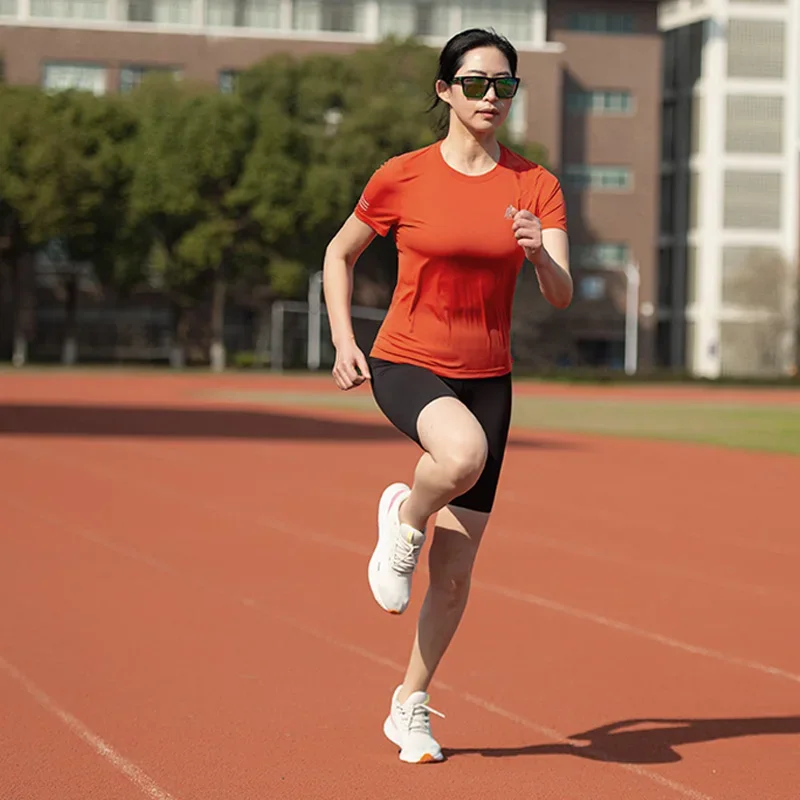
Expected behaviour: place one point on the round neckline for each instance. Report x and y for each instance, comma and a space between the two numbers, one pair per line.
463, 176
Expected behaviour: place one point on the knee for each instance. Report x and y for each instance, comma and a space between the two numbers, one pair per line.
464, 463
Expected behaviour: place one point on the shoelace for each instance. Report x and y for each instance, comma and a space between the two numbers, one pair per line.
404, 557
419, 720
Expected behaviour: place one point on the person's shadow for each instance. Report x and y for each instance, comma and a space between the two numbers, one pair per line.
644, 741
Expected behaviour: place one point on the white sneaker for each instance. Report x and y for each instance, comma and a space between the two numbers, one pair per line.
395, 557
409, 727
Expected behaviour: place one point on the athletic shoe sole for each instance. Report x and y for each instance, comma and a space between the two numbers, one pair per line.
389, 496
393, 735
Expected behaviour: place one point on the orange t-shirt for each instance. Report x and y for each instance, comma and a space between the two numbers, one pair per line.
458, 260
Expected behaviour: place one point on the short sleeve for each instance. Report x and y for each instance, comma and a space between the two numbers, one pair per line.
379, 204
550, 207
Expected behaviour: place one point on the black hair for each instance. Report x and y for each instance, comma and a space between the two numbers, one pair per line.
452, 57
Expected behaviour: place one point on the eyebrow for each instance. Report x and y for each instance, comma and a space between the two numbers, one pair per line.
501, 74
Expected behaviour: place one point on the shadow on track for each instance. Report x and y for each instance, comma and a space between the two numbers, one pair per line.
90, 421
628, 742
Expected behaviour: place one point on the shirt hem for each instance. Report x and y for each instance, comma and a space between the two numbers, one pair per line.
439, 369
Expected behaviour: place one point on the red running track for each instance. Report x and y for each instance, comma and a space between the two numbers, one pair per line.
184, 612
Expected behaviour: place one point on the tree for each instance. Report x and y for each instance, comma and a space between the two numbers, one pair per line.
190, 152
21, 220
63, 186
324, 123
377, 119
271, 192
90, 177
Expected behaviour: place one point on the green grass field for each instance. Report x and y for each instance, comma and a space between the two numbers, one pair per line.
770, 428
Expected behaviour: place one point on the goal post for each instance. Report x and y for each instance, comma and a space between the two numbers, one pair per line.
300, 335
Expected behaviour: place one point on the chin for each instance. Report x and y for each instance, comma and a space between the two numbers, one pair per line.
483, 126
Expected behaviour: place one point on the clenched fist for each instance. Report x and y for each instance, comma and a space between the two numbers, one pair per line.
350, 369
528, 233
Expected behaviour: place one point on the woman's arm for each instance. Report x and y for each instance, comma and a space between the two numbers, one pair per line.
341, 256
551, 261
548, 251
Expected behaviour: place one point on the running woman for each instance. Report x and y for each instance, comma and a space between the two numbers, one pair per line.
467, 213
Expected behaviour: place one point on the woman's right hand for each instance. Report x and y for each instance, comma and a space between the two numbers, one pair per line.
350, 361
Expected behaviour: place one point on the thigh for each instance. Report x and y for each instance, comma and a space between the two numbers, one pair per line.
489, 400
402, 391
449, 431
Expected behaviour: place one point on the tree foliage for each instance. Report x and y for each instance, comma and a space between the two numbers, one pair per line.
193, 190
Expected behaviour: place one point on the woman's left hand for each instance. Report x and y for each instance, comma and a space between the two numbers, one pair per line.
528, 232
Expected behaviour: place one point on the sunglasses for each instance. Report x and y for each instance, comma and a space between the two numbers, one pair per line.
475, 87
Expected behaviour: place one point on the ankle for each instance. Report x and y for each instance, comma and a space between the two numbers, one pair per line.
407, 691
410, 519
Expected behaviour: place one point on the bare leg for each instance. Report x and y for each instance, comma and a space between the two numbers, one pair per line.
457, 534
455, 454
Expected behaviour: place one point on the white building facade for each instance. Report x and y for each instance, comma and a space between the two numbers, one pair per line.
729, 204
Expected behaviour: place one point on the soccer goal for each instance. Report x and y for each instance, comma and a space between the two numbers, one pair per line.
300, 334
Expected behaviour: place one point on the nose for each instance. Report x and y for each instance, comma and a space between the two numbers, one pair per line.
490, 93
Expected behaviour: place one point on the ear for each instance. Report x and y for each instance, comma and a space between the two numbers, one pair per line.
443, 91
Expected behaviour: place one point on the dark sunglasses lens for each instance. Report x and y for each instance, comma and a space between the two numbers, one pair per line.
474, 87
506, 88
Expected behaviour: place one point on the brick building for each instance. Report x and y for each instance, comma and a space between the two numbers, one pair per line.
592, 78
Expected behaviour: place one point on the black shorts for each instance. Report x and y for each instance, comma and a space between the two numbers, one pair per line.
403, 390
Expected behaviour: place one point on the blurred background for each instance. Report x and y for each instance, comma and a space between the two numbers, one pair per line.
172, 170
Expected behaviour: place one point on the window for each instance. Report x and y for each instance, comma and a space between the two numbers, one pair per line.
667, 203
693, 42
167, 12
695, 111
756, 48
753, 200
749, 348
600, 254
8, 8
140, 11
425, 20
414, 18
264, 14
337, 16
665, 278
509, 17
754, 277
130, 77
592, 287
692, 277
227, 80
599, 102
85, 77
754, 124
586, 176
670, 61
68, 9
668, 131
600, 22
694, 199
664, 344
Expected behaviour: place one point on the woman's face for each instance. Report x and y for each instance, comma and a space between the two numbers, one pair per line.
486, 112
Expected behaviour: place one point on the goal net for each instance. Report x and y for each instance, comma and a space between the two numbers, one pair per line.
300, 335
